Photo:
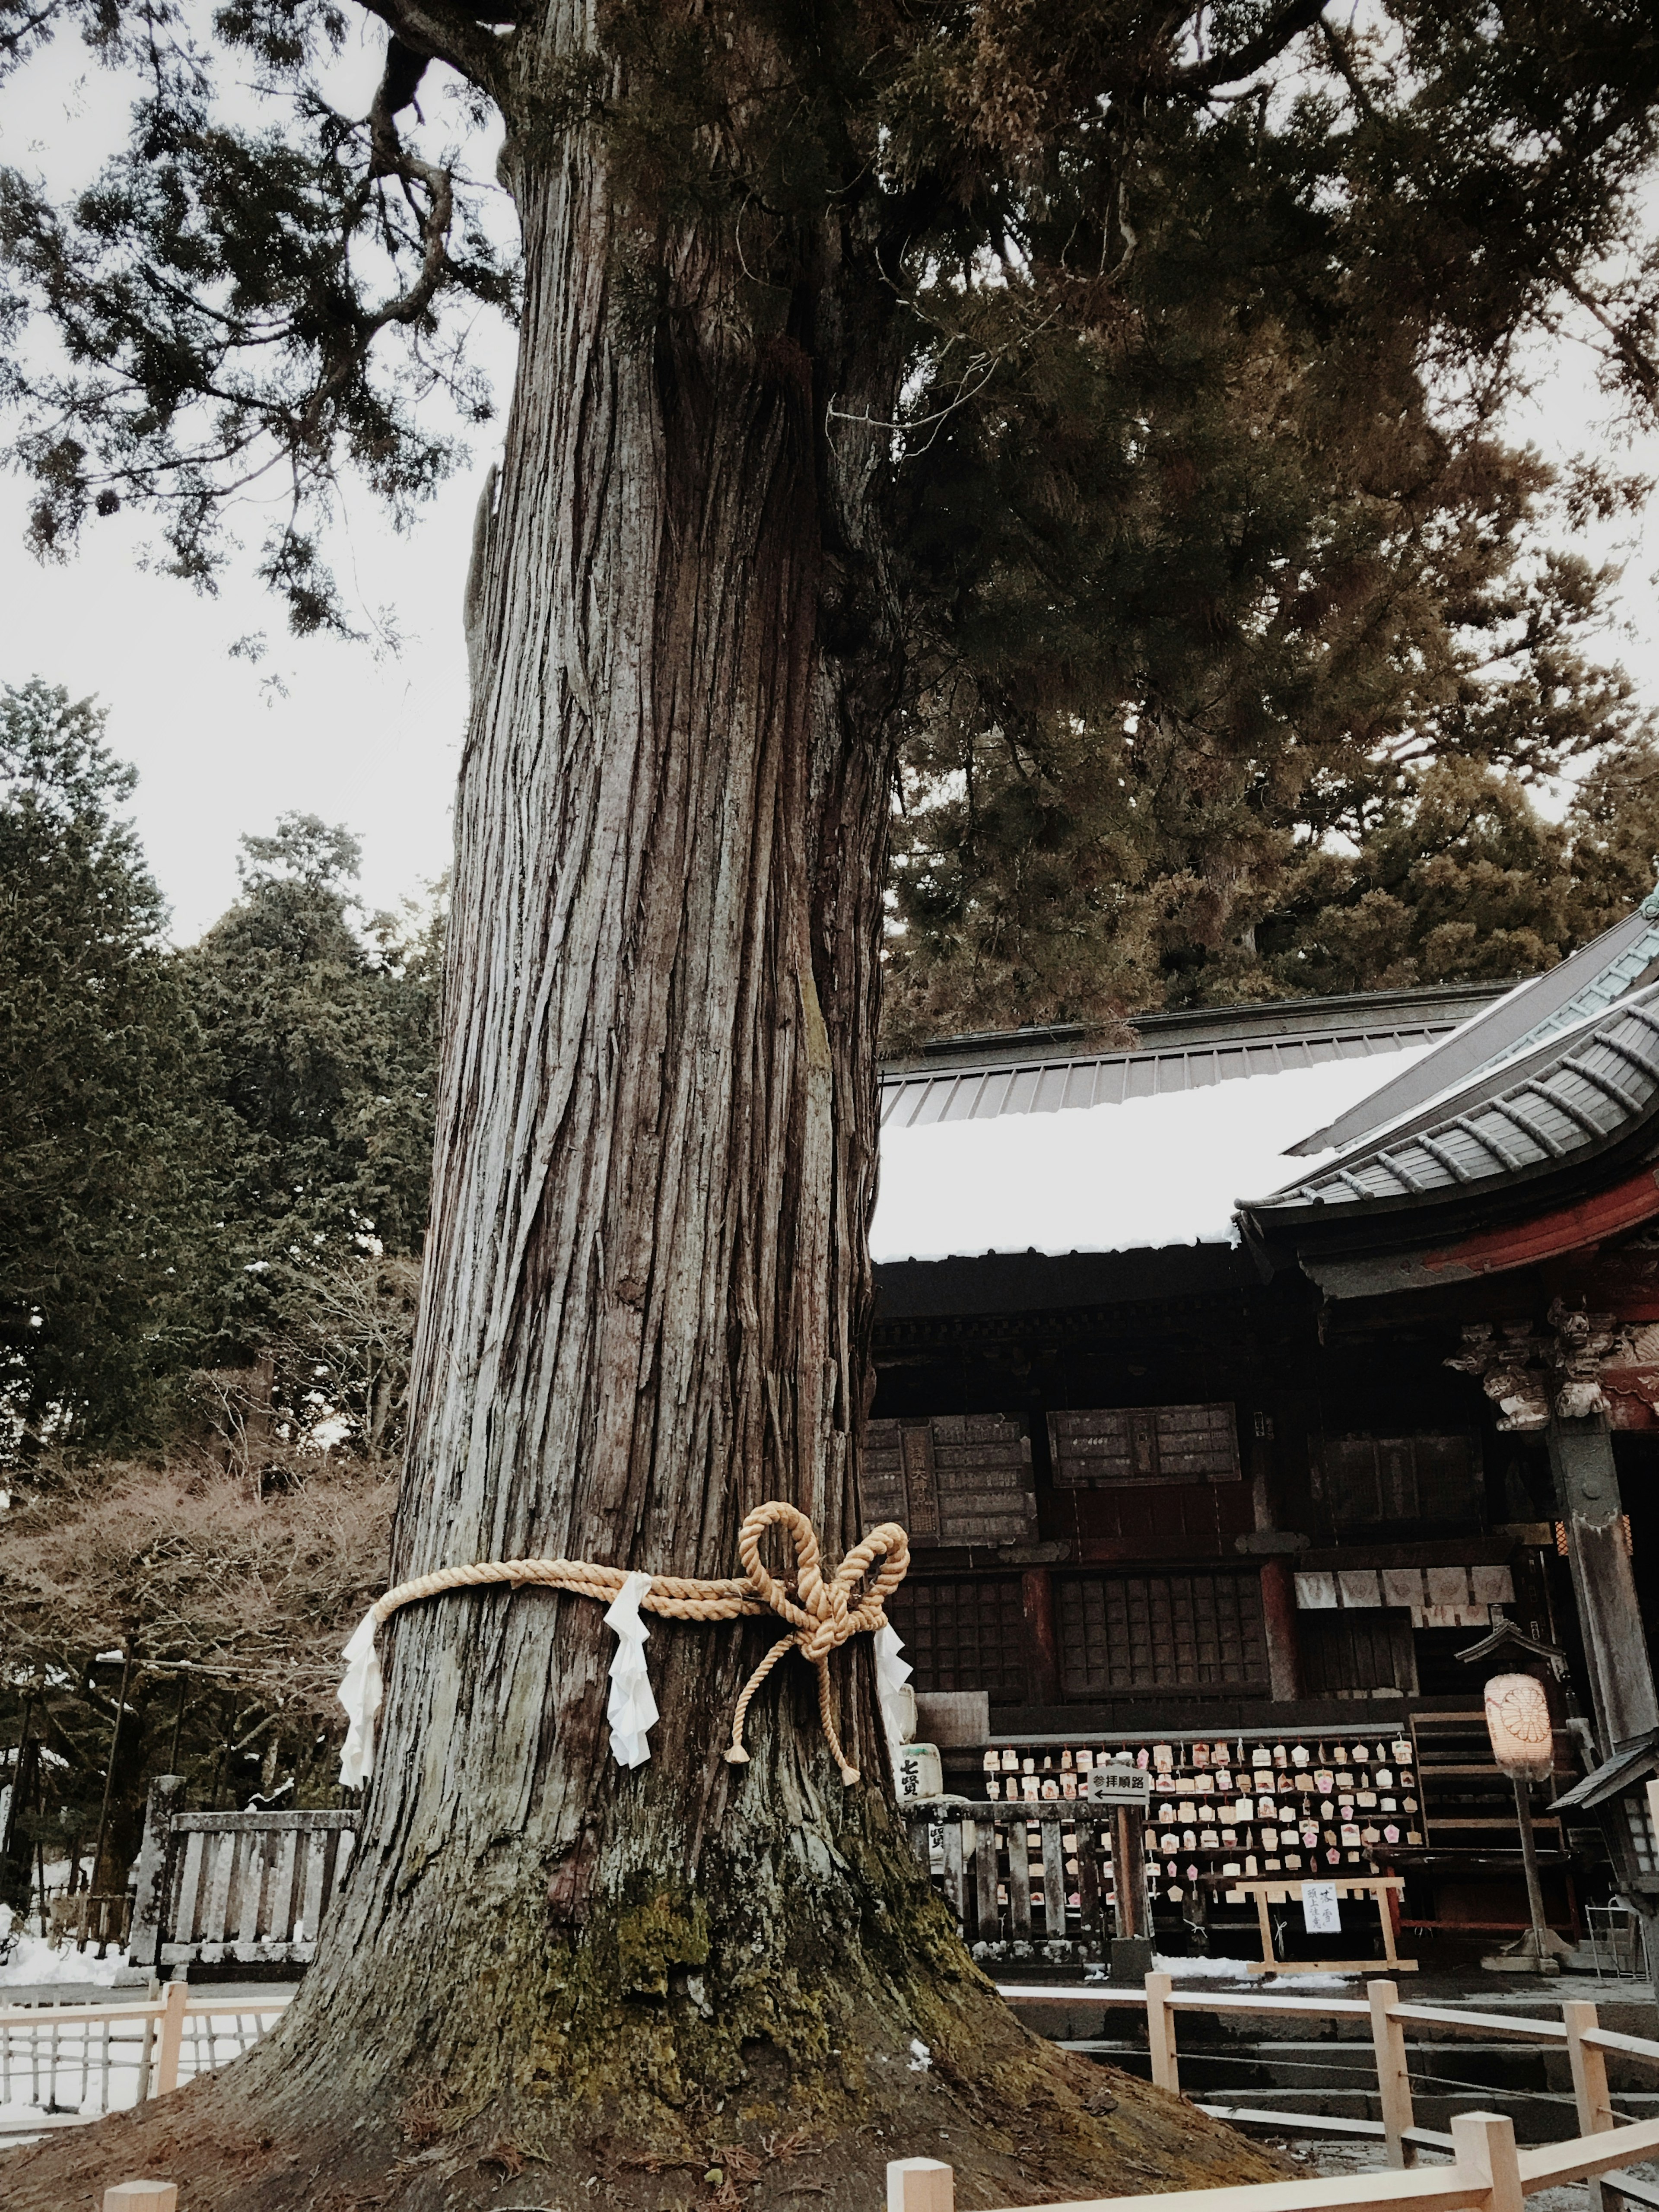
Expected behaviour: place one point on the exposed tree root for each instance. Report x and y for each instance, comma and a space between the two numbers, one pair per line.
762, 2039
1027, 2124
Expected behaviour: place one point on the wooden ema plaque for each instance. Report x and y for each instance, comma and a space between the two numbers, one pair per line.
955, 1479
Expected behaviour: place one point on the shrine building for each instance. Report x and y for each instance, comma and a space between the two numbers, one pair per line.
1253, 1394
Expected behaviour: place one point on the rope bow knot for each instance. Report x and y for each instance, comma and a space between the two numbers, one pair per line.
821, 1612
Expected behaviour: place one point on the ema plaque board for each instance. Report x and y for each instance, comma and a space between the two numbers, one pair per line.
953, 1479
1106, 1448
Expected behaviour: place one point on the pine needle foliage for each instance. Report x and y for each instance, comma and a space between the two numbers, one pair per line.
1203, 535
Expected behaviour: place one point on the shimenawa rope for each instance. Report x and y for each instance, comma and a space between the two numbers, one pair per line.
820, 1610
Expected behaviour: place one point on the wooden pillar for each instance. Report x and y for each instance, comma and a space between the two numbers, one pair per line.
149, 1904
1278, 1622
1038, 1592
1160, 2033
1483, 2151
1129, 1871
170, 2043
1393, 2080
919, 2184
1590, 2083
1587, 1494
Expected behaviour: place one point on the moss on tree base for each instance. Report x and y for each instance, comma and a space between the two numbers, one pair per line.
1025, 2124
763, 2042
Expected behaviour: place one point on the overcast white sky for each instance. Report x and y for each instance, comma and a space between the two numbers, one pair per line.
372, 741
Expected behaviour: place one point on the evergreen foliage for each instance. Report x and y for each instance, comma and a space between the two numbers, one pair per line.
1203, 533
319, 1038
101, 1120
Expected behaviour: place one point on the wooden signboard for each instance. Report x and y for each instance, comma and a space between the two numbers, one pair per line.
1107, 1447
1428, 1478
954, 1478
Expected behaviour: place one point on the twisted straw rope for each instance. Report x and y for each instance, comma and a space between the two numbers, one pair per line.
819, 1609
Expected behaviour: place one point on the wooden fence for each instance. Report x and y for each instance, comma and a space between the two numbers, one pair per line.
1487, 2172
90, 1916
251, 1887
57, 2058
1022, 1878
1586, 2045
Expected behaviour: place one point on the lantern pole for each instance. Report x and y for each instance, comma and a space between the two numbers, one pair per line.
1545, 1963
1523, 1746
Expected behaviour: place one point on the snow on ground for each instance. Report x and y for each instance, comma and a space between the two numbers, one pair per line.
1151, 1171
33, 1960
1237, 1970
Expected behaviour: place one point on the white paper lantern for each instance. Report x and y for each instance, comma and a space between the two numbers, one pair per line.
1518, 1723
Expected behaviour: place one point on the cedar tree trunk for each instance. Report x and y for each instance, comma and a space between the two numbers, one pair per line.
646, 1311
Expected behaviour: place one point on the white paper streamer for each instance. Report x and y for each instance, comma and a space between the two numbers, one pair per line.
360, 1694
892, 1673
632, 1710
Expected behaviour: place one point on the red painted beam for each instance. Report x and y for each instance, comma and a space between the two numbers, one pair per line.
1550, 1235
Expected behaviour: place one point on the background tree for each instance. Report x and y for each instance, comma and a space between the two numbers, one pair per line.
755, 239
319, 1038
219, 1603
1248, 582
100, 1123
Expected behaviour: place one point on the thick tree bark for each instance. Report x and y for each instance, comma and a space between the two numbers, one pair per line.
646, 1301
647, 1284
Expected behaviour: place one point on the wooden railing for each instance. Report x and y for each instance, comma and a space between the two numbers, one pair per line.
56, 2059
248, 1887
1487, 2173
1603, 2145
90, 1916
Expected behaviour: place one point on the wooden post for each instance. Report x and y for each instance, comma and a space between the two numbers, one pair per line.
1037, 1592
1278, 1623
171, 2042
1589, 2082
149, 1905
1161, 2033
921, 2185
109, 1784
1609, 1617
141, 2197
1483, 2148
1393, 2087
1129, 1869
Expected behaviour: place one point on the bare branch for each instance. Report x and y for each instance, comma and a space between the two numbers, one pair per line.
1269, 42
435, 30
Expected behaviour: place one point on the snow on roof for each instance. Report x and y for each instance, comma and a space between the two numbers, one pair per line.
1146, 1172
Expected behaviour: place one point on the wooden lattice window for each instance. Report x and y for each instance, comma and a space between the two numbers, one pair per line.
1349, 1651
965, 1635
1160, 1631
1110, 1446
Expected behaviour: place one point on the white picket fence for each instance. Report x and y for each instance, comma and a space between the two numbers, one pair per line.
1488, 2172
60, 2064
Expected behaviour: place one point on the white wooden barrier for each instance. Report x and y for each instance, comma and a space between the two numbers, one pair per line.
1488, 2172
67, 2054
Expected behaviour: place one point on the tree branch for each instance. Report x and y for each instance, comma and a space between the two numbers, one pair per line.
1641, 369
438, 30
1270, 41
